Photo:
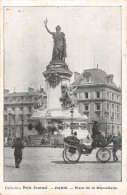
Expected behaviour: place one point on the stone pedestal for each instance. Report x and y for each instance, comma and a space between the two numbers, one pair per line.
56, 73
53, 96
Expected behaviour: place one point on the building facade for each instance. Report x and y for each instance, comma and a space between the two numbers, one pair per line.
18, 108
100, 99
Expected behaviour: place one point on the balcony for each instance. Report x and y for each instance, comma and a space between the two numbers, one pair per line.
98, 110
18, 102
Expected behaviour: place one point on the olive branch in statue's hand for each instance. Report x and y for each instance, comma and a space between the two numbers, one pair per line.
45, 21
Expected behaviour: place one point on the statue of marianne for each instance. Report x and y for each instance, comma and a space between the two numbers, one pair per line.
59, 48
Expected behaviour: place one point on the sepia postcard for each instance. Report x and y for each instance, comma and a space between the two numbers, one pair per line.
63, 97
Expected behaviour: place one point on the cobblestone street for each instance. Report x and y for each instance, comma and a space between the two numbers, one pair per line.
46, 164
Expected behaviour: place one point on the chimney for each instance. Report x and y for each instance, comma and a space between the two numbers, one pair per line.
97, 66
30, 90
76, 75
6, 91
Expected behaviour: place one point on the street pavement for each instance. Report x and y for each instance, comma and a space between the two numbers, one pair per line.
46, 164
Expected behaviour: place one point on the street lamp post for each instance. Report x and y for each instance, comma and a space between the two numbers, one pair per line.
22, 116
22, 127
106, 127
106, 117
112, 127
9, 114
72, 112
112, 124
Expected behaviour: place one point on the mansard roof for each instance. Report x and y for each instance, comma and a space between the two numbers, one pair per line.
97, 76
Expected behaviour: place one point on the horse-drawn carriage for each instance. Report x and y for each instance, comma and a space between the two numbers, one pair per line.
74, 149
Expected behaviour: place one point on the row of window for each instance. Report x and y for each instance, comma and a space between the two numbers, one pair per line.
112, 106
86, 95
112, 128
13, 130
113, 96
111, 117
98, 94
19, 99
20, 109
98, 107
16, 118
86, 106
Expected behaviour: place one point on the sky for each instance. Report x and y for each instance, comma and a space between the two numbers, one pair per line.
93, 36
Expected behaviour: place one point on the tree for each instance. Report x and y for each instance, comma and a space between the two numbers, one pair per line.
40, 128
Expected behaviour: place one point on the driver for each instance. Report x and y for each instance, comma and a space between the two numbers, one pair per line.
98, 139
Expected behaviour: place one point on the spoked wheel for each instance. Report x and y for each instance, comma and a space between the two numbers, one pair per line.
64, 157
72, 154
103, 155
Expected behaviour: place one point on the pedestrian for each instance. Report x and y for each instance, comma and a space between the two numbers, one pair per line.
18, 146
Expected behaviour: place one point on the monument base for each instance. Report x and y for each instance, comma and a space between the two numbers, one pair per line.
58, 113
76, 122
63, 120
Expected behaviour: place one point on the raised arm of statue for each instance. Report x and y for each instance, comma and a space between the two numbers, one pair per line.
45, 22
48, 30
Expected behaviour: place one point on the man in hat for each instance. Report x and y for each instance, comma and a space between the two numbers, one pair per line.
18, 146
98, 139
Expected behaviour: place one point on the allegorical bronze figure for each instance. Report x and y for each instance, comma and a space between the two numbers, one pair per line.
59, 48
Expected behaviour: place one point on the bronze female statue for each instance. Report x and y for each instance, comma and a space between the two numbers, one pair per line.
59, 48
